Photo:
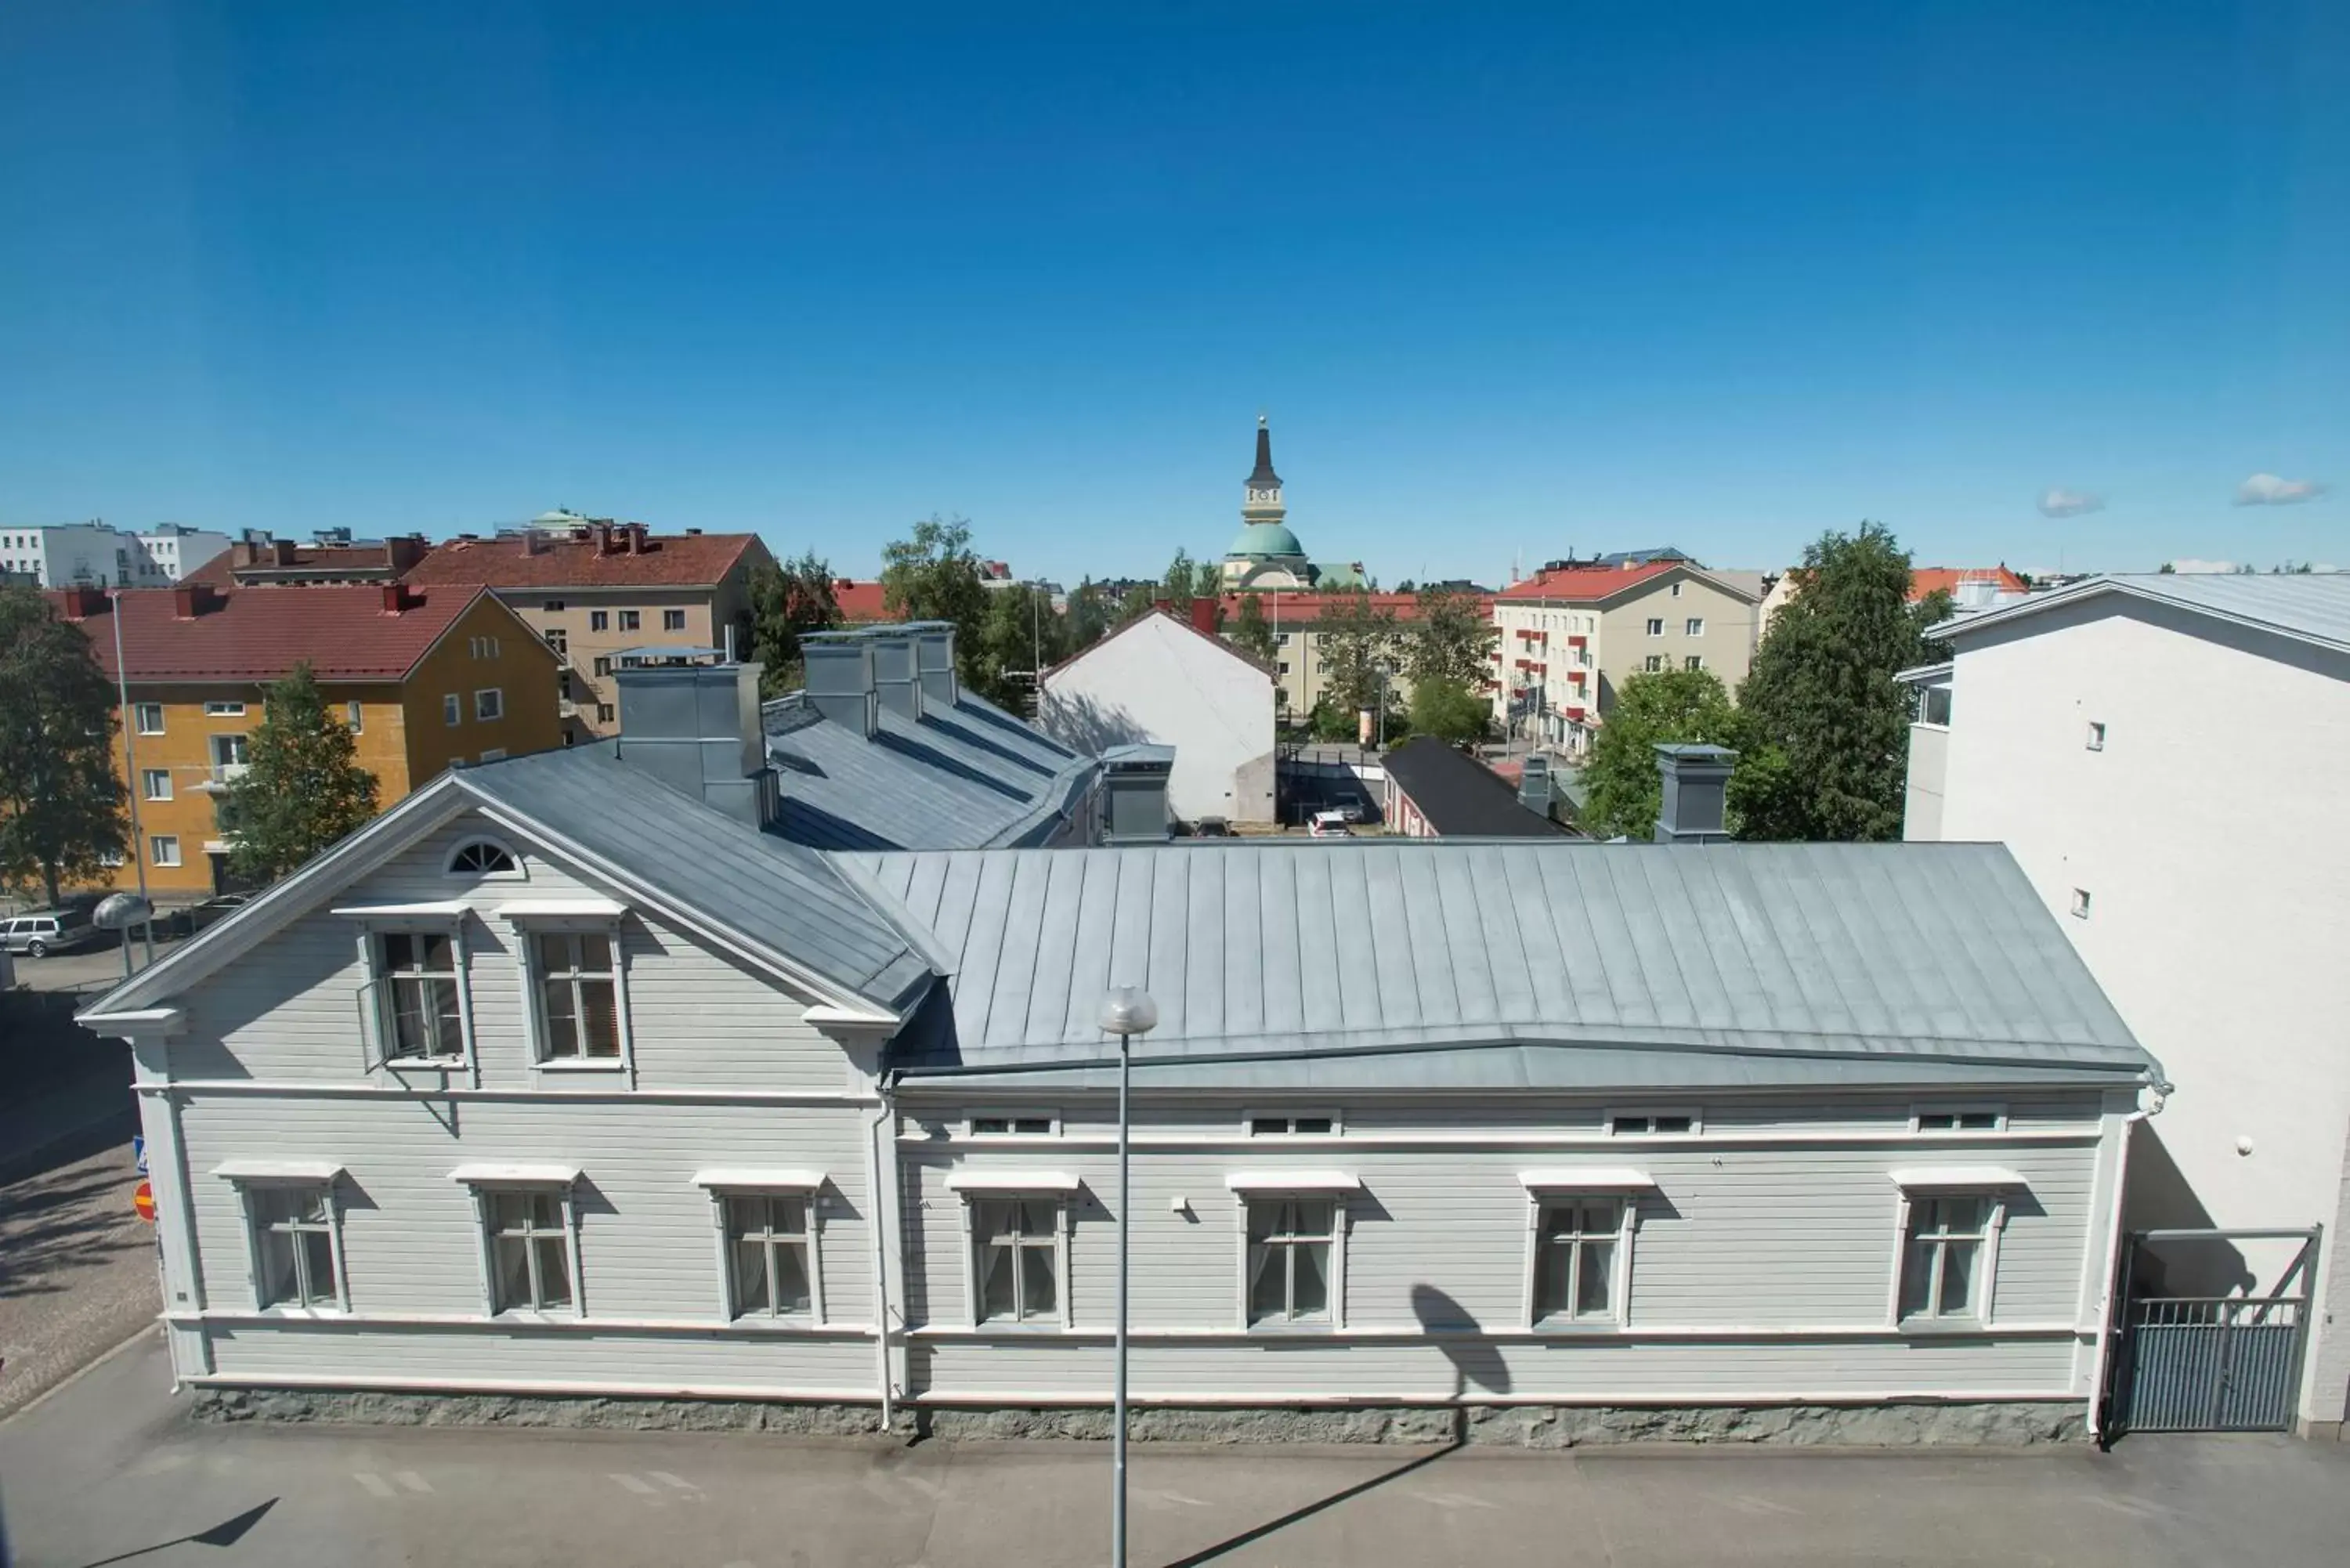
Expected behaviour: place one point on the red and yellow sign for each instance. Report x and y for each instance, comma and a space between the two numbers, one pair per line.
142, 1199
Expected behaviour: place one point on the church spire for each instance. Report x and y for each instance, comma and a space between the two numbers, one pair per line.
1264, 478
1263, 502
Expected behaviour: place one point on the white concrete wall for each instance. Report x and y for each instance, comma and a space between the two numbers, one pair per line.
1160, 681
2211, 836
1921, 806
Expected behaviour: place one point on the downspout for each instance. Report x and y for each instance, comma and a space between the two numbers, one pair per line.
2159, 1092
883, 1226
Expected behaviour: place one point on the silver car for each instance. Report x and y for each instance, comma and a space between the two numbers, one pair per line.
47, 931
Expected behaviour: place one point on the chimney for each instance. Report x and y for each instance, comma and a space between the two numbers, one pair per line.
190, 600
1203, 616
1534, 785
603, 538
396, 598
1696, 779
897, 674
534, 542
934, 662
282, 552
636, 538
695, 727
840, 680
405, 550
83, 601
1134, 790
1164, 607
246, 552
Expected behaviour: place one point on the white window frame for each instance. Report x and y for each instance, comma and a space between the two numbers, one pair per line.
377, 1026
1342, 1222
631, 620
155, 783
1693, 626
1694, 662
600, 620
528, 928
1249, 1118
1653, 665
1539, 1202
223, 710
1620, 1114
515, 871
248, 1187
357, 720
163, 849
492, 710
1675, 592
452, 708
807, 1188
1983, 1291
1011, 1116
672, 620
1655, 626
2096, 742
564, 1188
140, 712
1064, 1228
1972, 1108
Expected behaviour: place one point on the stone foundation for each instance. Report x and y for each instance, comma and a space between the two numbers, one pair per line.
2011, 1425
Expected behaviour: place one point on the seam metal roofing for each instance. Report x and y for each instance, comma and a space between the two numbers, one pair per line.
2313, 607
1751, 963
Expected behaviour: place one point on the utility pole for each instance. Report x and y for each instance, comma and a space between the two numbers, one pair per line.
130, 780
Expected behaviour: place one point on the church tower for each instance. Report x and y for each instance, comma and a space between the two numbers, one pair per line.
1264, 503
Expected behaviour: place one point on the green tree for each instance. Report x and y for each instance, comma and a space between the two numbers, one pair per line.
60, 798
1175, 584
1448, 710
1356, 639
1089, 616
1207, 583
788, 600
935, 575
1825, 728
302, 788
1023, 635
1251, 632
1137, 601
1624, 791
1451, 641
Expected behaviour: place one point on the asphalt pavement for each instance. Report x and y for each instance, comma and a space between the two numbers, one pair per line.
108, 1466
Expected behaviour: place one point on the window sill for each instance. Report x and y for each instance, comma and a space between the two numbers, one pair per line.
1937, 1327
1304, 1329
532, 1317
425, 1064
998, 1325
567, 1065
304, 1315
1585, 1328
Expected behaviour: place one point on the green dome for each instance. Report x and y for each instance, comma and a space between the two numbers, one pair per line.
1266, 539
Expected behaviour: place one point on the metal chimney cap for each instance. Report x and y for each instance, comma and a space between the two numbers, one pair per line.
1128, 1010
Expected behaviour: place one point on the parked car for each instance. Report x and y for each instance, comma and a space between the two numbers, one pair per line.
1329, 824
45, 932
1212, 828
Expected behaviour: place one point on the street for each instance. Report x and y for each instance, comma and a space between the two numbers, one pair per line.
76, 1265
109, 1466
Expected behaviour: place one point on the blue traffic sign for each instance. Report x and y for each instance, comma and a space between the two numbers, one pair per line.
138, 1151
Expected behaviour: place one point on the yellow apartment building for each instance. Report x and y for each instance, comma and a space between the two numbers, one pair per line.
424, 678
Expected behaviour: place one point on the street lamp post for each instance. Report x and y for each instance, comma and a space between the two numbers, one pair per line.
1126, 1012
130, 777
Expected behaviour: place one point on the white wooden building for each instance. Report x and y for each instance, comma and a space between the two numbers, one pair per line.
1165, 681
557, 1080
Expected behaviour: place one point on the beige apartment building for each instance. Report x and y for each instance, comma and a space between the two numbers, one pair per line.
1573, 633
597, 590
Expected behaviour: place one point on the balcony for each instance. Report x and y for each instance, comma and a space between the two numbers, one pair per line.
220, 775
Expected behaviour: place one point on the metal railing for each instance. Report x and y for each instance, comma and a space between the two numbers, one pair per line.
2212, 1362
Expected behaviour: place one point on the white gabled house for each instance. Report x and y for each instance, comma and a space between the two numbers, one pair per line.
557, 1080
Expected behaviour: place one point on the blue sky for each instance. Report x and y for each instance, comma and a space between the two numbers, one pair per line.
1509, 281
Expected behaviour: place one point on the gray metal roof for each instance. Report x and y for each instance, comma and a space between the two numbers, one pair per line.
1810, 961
974, 776
778, 895
2315, 608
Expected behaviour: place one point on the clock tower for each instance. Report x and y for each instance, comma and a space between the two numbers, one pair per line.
1264, 503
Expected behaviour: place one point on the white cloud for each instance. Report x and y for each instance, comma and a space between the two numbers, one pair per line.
2062, 503
2268, 490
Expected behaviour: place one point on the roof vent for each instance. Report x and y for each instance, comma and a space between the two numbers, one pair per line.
840, 680
934, 661
1697, 781
896, 675
696, 727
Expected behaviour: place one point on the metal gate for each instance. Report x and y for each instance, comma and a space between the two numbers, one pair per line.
2210, 1364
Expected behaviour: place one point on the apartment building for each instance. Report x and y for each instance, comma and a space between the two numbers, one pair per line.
1301, 670
1573, 633
423, 679
596, 590
97, 555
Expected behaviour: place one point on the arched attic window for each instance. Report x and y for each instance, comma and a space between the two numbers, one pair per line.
484, 857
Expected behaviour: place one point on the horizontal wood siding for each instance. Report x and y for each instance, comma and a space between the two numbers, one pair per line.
1586, 1371
701, 1017
648, 1245
508, 1357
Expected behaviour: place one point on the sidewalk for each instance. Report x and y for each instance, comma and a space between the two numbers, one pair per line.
65, 1123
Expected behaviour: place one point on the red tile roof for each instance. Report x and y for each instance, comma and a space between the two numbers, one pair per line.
861, 604
260, 634
1585, 585
1924, 580
1292, 609
668, 560
221, 570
